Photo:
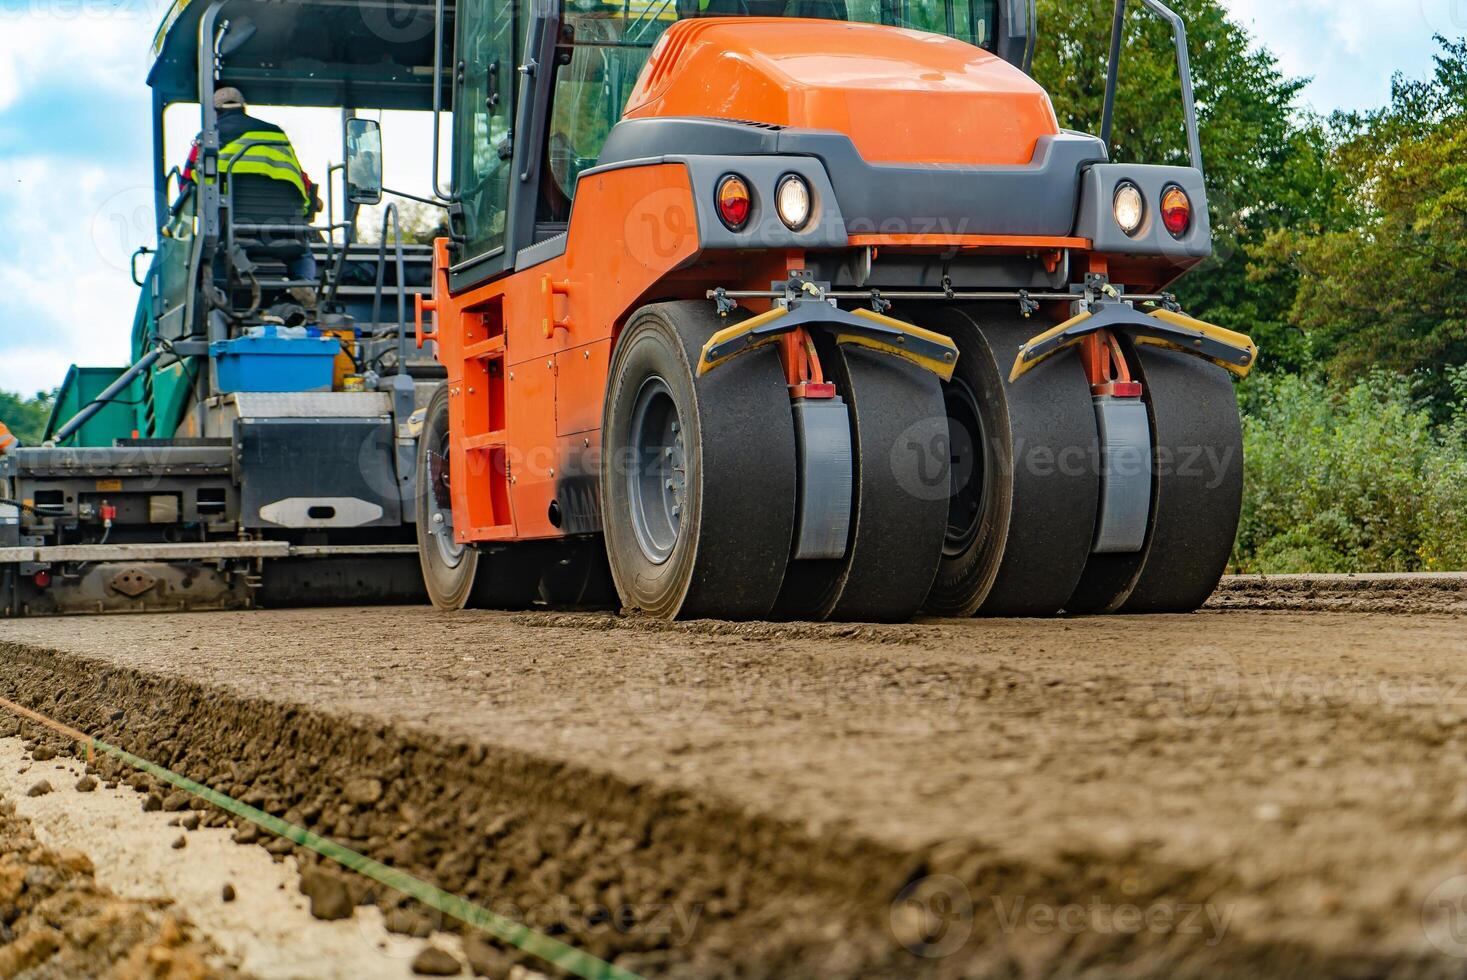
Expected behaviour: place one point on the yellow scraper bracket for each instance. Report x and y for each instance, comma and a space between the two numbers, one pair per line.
926, 349
863, 328
1228, 349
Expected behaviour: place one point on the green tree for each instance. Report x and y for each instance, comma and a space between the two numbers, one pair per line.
1386, 286
1267, 168
26, 417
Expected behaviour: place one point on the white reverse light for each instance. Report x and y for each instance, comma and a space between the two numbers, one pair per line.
1130, 207
792, 201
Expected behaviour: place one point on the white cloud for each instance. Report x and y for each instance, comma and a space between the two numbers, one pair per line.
1350, 50
81, 43
67, 296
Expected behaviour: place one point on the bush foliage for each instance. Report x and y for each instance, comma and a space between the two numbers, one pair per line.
1353, 478
26, 417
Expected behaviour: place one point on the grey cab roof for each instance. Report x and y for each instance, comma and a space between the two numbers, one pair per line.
359, 53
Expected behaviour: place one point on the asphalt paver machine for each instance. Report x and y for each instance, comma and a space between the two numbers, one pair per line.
261, 447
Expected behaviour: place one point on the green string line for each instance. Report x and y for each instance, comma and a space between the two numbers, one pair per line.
567, 958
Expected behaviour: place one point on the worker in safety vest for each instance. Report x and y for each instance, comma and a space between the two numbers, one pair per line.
7, 441
275, 159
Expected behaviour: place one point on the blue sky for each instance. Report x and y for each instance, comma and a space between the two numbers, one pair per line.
74, 148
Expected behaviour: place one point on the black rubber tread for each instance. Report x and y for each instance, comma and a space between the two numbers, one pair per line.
1197, 502
1041, 447
576, 575
899, 505
500, 579
1107, 582
730, 556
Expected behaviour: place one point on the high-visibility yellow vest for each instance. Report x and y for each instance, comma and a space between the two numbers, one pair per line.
272, 157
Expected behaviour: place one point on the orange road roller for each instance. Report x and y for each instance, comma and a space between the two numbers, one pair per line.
810, 310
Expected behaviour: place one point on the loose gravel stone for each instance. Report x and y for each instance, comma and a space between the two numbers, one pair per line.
329, 897
436, 962
364, 792
486, 960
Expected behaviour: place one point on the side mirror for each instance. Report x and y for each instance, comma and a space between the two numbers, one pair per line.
363, 161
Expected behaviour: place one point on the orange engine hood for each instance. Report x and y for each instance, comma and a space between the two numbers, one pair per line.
902, 96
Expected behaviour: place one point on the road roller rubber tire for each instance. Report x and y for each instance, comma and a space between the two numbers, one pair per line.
698, 476
1196, 492
899, 499
462, 576
1024, 501
1198, 432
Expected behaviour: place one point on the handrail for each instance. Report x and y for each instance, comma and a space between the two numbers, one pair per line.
331, 169
226, 169
1184, 72
133, 265
452, 194
390, 214
1033, 44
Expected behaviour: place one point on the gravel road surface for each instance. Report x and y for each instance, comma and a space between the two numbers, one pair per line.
1236, 792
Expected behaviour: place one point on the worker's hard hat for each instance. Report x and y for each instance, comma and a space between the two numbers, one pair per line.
228, 97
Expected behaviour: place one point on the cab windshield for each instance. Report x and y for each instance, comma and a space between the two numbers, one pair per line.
642, 21
966, 20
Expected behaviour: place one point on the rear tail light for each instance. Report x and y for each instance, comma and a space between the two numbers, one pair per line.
734, 202
1176, 211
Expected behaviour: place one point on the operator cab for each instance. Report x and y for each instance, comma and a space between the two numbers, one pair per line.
228, 262
597, 63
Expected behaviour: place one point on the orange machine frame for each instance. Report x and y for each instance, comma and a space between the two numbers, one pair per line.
528, 355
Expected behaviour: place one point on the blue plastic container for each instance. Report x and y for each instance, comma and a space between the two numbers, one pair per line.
270, 362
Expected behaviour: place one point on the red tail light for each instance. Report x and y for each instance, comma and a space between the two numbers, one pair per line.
734, 202
1176, 211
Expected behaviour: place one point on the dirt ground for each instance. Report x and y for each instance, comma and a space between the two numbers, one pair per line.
57, 923
245, 904
1239, 792
1444, 592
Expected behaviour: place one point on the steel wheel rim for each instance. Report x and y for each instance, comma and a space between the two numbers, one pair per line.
657, 481
968, 448
449, 551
